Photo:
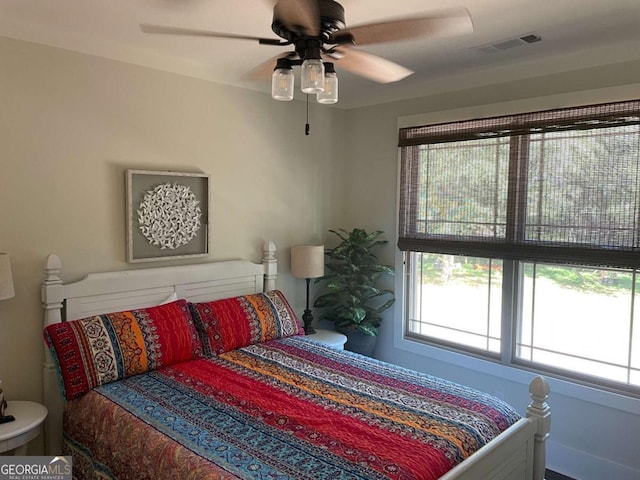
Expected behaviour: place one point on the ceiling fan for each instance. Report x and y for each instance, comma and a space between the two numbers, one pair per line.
318, 33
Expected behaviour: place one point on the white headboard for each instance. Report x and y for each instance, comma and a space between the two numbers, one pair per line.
107, 292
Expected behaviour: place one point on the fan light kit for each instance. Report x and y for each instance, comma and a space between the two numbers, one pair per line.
315, 77
318, 33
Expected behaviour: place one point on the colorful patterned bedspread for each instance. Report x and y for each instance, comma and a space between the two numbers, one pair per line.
283, 409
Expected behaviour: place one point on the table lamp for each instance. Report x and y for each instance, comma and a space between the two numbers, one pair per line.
6, 291
307, 261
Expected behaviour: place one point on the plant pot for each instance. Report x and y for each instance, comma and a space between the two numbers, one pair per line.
359, 342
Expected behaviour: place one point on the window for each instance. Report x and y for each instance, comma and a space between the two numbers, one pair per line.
522, 239
456, 300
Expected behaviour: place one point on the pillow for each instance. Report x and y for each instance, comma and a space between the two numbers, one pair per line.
105, 348
240, 321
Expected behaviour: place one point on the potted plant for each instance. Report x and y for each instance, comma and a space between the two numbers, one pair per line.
352, 299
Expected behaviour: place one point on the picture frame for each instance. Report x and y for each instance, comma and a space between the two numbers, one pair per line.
167, 215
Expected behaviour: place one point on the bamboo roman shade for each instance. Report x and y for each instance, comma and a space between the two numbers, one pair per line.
557, 186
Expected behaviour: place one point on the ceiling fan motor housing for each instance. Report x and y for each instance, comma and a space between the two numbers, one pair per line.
331, 15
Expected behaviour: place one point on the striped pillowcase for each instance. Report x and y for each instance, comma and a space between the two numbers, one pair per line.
98, 350
232, 323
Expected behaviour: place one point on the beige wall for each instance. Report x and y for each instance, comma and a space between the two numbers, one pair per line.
71, 124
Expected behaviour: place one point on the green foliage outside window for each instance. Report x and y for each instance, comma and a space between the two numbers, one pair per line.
440, 269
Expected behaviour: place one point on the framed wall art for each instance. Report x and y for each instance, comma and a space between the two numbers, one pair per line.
167, 215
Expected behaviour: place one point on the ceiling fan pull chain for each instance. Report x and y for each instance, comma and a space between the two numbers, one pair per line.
306, 127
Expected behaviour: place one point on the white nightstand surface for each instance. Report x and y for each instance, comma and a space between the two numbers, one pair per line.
26, 426
329, 338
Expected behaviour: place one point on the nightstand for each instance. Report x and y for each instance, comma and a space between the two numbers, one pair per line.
17, 434
329, 338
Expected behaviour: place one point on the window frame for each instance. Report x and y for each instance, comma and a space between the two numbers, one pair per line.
511, 315
511, 320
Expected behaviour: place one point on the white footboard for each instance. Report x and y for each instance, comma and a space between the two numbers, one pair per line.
519, 452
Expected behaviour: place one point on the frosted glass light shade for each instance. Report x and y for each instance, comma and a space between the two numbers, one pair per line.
307, 261
312, 76
282, 82
6, 279
329, 94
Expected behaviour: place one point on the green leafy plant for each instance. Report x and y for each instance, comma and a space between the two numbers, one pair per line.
352, 299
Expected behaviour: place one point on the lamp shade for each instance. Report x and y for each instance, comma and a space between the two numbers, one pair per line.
307, 261
6, 280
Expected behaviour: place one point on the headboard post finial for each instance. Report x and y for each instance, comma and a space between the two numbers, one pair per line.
270, 265
52, 294
54, 266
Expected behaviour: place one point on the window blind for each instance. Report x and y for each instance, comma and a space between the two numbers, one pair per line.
560, 186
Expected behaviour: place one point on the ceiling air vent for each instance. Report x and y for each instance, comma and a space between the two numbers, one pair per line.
510, 43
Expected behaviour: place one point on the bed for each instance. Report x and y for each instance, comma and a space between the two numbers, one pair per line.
229, 387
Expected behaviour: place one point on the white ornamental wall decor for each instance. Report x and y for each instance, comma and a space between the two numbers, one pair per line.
169, 215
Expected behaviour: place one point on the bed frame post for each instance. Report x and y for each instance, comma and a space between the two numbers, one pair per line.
539, 411
270, 265
52, 295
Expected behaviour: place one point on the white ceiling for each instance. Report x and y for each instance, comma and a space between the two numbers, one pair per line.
575, 33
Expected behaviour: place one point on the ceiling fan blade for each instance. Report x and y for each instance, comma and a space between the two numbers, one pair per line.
445, 23
299, 15
265, 69
165, 30
369, 66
